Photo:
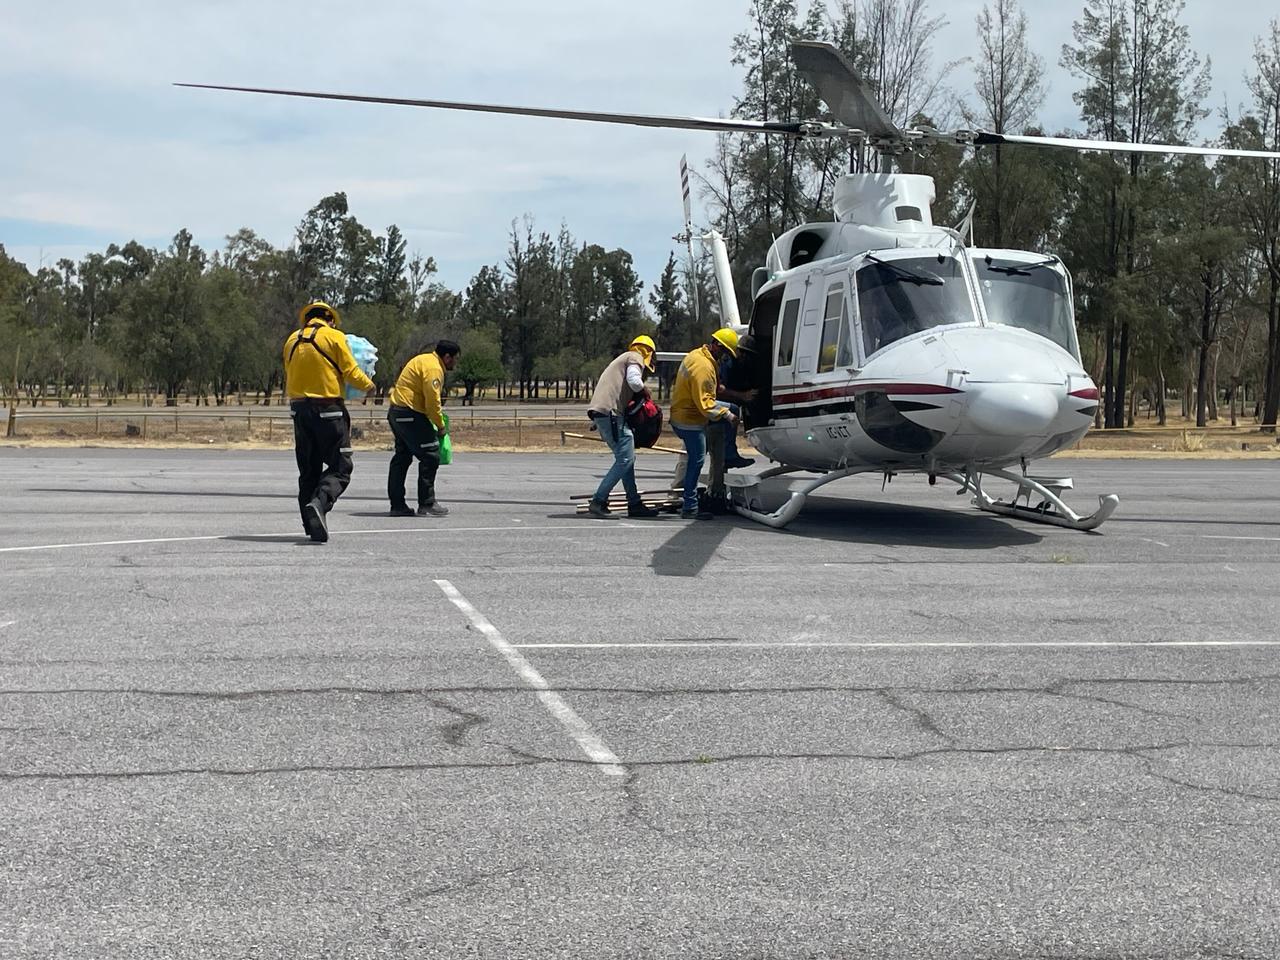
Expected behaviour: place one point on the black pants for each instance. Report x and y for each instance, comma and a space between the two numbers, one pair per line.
415, 437
322, 444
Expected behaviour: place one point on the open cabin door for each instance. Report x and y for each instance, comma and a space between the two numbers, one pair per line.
759, 360
784, 358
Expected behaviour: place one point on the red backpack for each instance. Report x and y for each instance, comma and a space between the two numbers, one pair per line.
644, 417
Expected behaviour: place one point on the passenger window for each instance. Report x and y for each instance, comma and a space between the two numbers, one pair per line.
844, 356
833, 319
787, 338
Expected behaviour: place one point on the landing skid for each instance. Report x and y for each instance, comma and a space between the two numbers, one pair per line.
1051, 509
744, 492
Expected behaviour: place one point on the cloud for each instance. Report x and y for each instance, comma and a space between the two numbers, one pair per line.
100, 147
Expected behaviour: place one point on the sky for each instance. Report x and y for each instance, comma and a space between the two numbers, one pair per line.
99, 147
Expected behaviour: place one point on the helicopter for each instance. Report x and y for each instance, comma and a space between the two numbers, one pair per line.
884, 343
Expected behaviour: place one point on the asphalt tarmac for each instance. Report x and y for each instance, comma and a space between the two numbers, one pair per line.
899, 728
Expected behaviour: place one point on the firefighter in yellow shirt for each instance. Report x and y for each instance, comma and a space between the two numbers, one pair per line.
417, 421
317, 362
693, 406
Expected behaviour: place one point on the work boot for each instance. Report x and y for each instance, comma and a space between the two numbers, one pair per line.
737, 463
402, 510
696, 514
432, 510
720, 506
598, 508
317, 528
638, 511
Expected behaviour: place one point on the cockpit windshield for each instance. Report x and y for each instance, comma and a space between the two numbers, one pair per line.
1032, 296
899, 297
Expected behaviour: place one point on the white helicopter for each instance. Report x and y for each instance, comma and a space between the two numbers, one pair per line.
882, 343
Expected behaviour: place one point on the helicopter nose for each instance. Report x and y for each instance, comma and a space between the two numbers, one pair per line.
1012, 409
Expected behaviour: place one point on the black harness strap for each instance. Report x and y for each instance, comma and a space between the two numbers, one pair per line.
313, 329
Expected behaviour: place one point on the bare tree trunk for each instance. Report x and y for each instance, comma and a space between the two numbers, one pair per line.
1271, 374
1214, 355
1122, 373
1109, 390
1162, 414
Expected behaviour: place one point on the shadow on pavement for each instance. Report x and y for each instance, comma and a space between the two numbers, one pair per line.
896, 524
299, 541
347, 498
692, 547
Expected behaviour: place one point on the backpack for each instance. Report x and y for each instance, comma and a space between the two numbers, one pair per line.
644, 417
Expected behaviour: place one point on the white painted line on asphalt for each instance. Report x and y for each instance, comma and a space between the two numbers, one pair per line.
336, 533
1158, 543
895, 644
578, 728
1209, 536
120, 543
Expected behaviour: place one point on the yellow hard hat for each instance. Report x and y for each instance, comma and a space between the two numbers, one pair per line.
647, 348
319, 310
727, 339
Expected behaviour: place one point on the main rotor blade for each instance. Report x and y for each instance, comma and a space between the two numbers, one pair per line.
849, 98
1119, 146
720, 125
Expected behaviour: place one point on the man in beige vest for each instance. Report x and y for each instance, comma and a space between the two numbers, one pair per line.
621, 380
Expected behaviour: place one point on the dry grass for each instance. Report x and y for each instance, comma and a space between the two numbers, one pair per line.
544, 435
261, 434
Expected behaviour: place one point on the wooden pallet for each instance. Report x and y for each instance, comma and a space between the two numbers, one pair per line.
657, 500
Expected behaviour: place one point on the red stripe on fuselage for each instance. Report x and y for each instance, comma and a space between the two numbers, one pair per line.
853, 389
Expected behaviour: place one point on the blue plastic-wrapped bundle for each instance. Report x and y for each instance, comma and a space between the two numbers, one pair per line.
366, 355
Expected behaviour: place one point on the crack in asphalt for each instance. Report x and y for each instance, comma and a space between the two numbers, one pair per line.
140, 589
1057, 688
462, 883
1149, 711
922, 717
634, 812
255, 771
1242, 794
526, 759
456, 731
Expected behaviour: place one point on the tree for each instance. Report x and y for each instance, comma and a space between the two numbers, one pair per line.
165, 319
1143, 84
318, 240
389, 283
762, 185
236, 347
666, 300
1010, 86
1255, 187
532, 320
480, 363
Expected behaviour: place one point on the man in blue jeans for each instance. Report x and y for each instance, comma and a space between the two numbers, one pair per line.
621, 380
693, 406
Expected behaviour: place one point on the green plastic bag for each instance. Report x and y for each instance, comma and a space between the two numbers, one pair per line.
446, 443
